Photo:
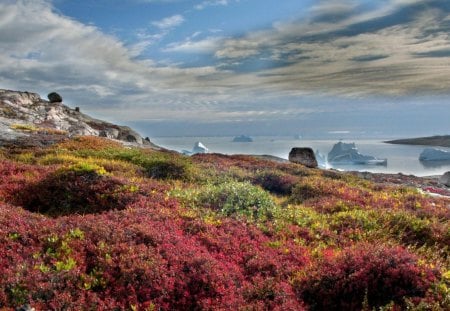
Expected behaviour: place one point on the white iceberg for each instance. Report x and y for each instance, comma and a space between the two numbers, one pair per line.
434, 154
321, 159
198, 148
348, 154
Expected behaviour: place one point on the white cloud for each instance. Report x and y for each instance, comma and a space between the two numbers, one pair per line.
208, 3
169, 22
43, 51
206, 45
84, 64
344, 58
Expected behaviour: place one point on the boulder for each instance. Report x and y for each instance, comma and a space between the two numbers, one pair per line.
54, 97
304, 156
445, 179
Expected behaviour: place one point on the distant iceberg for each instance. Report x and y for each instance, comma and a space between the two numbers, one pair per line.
198, 148
434, 154
242, 139
321, 159
348, 154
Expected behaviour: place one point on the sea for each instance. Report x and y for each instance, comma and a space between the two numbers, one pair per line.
400, 158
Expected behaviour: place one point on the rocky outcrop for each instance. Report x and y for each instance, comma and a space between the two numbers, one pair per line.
304, 156
445, 179
23, 114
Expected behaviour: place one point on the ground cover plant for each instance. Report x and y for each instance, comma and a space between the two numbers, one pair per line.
89, 224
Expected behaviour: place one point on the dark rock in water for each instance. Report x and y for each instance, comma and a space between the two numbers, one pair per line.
242, 139
54, 97
304, 156
445, 179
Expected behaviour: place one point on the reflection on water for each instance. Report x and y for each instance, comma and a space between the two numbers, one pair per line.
435, 164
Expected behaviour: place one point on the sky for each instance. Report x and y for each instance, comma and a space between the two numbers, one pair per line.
228, 67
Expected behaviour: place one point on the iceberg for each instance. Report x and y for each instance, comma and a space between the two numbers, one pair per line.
198, 148
242, 139
434, 154
321, 159
348, 154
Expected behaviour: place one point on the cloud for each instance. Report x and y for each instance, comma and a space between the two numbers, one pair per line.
85, 65
394, 49
208, 3
284, 72
190, 45
169, 22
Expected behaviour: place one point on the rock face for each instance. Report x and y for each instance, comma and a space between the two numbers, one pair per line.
23, 110
445, 179
304, 156
54, 98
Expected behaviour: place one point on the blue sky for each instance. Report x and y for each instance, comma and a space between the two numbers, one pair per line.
178, 67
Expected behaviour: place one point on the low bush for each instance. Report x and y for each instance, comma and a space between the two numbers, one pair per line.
81, 189
169, 168
373, 274
305, 191
276, 182
237, 198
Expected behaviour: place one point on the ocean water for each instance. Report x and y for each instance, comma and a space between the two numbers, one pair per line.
401, 158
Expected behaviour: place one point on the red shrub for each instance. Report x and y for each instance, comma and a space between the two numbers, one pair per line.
380, 273
275, 182
68, 192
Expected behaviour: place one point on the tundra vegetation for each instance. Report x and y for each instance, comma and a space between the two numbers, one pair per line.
89, 223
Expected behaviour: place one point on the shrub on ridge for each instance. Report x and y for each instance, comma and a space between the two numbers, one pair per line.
81, 188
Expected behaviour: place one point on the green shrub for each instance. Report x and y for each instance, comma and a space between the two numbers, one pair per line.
411, 229
240, 198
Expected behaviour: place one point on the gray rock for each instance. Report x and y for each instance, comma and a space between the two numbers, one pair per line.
445, 179
54, 97
304, 156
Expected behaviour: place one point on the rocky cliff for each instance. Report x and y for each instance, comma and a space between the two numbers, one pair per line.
26, 117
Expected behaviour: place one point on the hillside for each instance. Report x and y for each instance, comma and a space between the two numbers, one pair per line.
27, 119
441, 141
87, 223
93, 219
